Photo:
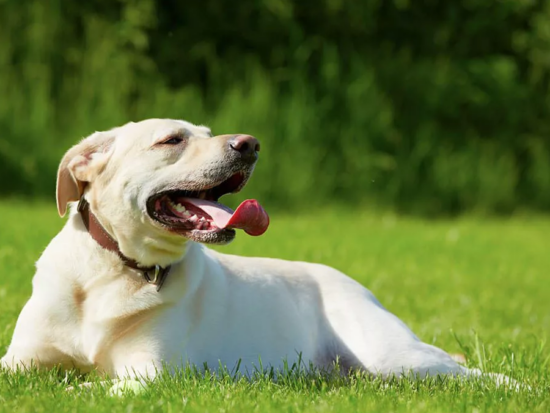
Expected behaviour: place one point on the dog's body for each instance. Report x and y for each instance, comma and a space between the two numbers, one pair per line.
89, 310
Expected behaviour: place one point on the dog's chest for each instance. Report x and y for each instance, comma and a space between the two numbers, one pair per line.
108, 312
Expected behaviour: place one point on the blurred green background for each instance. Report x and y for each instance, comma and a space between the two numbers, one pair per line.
428, 107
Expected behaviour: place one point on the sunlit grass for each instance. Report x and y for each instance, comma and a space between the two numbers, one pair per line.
475, 286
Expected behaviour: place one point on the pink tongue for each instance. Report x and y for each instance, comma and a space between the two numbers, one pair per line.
249, 216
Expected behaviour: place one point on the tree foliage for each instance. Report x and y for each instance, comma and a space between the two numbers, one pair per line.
432, 107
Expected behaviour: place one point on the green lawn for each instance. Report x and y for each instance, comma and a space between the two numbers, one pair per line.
475, 286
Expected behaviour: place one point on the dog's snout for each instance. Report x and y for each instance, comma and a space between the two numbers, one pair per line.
248, 146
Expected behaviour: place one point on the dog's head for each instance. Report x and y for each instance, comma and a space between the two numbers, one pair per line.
156, 183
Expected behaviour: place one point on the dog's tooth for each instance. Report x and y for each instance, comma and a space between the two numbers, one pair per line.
179, 208
194, 218
187, 214
202, 219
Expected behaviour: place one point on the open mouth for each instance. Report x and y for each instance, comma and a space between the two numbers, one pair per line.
198, 214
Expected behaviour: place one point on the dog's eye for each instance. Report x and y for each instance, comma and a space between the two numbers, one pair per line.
173, 140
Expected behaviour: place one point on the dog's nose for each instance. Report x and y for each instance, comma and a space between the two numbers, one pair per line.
247, 145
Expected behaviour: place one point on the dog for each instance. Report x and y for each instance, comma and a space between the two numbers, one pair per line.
129, 288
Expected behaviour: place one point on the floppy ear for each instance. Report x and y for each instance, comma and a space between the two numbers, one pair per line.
80, 165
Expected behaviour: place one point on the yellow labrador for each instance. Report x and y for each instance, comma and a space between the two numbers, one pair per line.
128, 287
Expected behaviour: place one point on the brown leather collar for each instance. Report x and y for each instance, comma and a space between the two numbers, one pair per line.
103, 238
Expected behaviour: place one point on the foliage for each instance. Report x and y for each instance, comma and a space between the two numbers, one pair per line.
432, 107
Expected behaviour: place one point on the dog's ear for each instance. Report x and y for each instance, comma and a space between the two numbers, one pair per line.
80, 165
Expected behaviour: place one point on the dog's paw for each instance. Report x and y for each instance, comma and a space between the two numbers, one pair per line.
127, 388
14, 364
86, 385
500, 380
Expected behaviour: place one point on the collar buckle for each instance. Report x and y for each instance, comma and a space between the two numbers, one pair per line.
159, 275
156, 274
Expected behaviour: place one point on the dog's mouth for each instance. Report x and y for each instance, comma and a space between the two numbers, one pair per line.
198, 215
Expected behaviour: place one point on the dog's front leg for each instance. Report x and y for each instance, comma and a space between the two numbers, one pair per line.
137, 365
135, 379
34, 339
133, 371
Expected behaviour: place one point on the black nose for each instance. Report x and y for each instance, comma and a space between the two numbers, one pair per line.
248, 146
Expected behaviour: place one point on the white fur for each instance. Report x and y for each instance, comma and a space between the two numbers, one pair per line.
89, 311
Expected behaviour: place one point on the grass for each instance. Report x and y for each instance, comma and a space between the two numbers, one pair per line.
475, 286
